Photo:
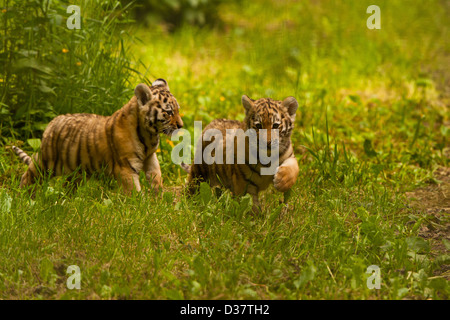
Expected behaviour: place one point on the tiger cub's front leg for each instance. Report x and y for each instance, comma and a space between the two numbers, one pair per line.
153, 171
286, 175
129, 179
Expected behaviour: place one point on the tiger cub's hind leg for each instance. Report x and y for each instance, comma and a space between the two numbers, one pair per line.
28, 178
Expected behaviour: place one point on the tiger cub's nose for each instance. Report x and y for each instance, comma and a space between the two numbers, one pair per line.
180, 124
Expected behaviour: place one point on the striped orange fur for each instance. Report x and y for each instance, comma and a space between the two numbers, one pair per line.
123, 143
246, 177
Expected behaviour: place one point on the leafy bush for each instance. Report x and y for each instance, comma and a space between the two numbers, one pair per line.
49, 69
175, 13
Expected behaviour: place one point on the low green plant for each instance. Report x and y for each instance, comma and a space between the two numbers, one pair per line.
177, 13
49, 69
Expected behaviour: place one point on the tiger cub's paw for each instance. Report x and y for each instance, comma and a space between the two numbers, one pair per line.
156, 182
284, 178
157, 185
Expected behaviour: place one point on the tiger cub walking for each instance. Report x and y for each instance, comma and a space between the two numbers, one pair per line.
123, 143
245, 177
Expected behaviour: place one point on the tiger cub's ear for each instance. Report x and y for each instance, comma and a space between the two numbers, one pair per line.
143, 94
247, 103
291, 106
161, 82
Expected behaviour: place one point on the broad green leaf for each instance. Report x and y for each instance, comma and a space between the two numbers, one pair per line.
368, 148
46, 89
32, 63
417, 244
34, 143
355, 98
40, 126
5, 202
307, 275
205, 192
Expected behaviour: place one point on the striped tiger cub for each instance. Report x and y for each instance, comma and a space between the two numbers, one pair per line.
242, 176
123, 143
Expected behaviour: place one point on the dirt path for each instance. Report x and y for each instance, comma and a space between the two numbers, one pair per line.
435, 201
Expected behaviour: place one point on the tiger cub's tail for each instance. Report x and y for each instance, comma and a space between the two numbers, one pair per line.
22, 155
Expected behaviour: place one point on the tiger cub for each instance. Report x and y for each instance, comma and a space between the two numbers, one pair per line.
241, 176
123, 143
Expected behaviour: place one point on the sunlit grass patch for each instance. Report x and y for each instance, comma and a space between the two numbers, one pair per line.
372, 124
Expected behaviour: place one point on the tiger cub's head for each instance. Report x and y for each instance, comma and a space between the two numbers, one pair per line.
159, 110
277, 117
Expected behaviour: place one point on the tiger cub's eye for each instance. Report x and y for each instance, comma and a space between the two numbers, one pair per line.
258, 126
276, 125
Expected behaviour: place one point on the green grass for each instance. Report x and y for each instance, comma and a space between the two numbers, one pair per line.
372, 124
48, 69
